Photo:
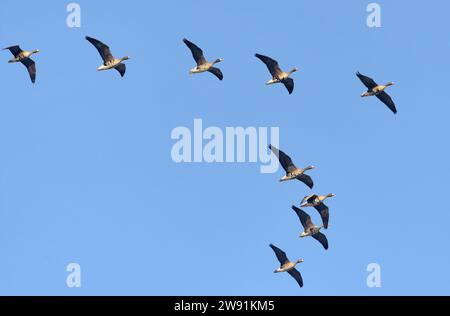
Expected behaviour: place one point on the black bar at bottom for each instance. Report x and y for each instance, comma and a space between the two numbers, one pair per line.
220, 305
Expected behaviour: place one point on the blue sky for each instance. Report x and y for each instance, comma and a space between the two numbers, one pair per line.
86, 174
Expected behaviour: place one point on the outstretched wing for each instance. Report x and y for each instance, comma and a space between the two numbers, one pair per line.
305, 219
324, 214
289, 84
386, 99
216, 72
310, 198
15, 50
121, 68
306, 180
31, 67
368, 82
197, 53
297, 276
285, 160
271, 64
281, 255
102, 48
322, 239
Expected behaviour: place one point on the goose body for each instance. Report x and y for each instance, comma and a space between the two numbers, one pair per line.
202, 64
287, 266
278, 75
292, 172
378, 91
109, 61
316, 201
21, 56
310, 230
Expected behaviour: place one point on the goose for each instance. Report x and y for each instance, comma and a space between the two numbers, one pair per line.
316, 201
287, 266
202, 64
109, 62
310, 230
278, 76
292, 172
24, 58
377, 90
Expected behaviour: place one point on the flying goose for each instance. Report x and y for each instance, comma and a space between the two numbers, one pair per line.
292, 172
278, 76
377, 90
316, 201
24, 58
202, 64
109, 62
287, 266
310, 230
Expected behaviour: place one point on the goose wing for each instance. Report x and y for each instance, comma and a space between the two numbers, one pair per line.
285, 160
196, 51
15, 50
289, 84
102, 48
322, 239
306, 180
386, 99
310, 198
216, 72
121, 68
271, 64
281, 255
368, 82
324, 214
297, 276
305, 219
31, 67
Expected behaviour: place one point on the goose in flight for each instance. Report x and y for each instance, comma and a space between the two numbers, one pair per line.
278, 75
21, 56
202, 64
310, 230
316, 201
287, 266
109, 62
377, 90
292, 172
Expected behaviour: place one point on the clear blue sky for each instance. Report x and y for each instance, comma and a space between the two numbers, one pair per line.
86, 174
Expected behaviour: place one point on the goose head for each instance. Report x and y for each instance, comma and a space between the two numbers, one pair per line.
390, 84
292, 71
36, 51
218, 60
309, 168
299, 261
125, 58
330, 195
